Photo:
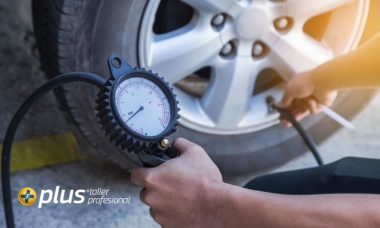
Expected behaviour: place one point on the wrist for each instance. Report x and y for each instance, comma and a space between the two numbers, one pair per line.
323, 78
227, 206
218, 204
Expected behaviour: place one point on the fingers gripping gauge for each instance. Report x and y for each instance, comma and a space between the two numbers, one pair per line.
137, 109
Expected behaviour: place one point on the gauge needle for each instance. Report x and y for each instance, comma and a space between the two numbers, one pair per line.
140, 109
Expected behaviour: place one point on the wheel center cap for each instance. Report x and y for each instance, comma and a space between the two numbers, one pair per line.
251, 24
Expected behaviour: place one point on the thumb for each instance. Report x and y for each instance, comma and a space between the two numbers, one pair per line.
286, 100
185, 146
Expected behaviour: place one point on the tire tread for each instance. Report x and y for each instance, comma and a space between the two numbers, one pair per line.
55, 23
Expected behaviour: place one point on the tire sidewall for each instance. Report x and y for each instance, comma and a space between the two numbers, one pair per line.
98, 34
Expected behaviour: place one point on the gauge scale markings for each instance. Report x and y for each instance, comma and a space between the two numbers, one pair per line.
135, 97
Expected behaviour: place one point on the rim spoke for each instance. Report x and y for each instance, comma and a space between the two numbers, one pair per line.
245, 49
212, 6
297, 52
228, 97
276, 10
305, 9
180, 55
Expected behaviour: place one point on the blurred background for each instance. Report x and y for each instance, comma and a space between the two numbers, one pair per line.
50, 151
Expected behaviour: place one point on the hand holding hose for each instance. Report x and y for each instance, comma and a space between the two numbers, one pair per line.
302, 96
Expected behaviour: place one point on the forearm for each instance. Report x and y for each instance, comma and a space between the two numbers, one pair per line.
360, 68
248, 208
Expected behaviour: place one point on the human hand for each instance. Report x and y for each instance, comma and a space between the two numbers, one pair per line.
302, 97
178, 192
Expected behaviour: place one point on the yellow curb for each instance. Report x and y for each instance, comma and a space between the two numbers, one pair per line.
42, 151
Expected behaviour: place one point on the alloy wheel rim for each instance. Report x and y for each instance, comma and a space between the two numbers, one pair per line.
217, 37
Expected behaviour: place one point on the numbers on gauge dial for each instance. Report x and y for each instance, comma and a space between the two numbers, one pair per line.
143, 106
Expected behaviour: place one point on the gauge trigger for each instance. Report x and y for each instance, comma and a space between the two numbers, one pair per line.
150, 160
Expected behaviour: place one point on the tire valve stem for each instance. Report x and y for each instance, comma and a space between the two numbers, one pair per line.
271, 103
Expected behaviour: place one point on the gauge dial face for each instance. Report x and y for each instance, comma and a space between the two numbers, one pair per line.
143, 106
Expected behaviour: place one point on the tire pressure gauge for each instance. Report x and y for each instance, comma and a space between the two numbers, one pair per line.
138, 109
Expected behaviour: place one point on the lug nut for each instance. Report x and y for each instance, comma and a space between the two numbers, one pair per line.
257, 50
218, 20
281, 23
227, 49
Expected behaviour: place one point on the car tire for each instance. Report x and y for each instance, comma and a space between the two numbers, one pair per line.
79, 35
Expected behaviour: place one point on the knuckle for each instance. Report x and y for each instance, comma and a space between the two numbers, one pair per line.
150, 179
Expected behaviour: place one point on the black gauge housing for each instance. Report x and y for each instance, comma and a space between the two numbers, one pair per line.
109, 117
